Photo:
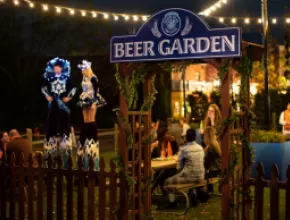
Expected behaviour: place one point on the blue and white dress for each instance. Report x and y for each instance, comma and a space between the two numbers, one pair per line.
90, 94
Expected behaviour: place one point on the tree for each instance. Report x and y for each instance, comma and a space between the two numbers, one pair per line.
273, 68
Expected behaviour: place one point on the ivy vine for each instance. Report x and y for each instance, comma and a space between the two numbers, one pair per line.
245, 70
129, 89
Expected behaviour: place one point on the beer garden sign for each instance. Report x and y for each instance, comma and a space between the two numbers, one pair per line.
176, 34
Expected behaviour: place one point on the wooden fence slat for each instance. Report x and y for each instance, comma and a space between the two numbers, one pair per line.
274, 193
59, 189
80, 177
287, 202
69, 179
12, 187
30, 175
49, 182
113, 189
259, 193
102, 191
21, 189
40, 188
91, 190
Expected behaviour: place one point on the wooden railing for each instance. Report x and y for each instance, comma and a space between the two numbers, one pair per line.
38, 193
275, 185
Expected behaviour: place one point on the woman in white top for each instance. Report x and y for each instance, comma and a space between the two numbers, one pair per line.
90, 100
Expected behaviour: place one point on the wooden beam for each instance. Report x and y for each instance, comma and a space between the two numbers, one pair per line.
225, 143
147, 151
124, 194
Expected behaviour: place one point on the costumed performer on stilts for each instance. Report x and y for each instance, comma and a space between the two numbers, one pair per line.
58, 90
90, 101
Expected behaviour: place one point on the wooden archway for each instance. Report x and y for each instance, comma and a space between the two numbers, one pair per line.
254, 52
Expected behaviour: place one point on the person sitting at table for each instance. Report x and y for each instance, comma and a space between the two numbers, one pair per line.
212, 155
190, 163
164, 148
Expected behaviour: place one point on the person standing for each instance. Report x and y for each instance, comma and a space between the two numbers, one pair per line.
90, 101
4, 140
285, 121
184, 126
58, 90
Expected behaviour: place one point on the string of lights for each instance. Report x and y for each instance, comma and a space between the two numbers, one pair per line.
138, 18
213, 8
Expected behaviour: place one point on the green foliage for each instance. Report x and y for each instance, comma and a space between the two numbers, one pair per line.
260, 136
130, 91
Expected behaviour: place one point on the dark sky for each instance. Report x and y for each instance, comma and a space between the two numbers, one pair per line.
233, 8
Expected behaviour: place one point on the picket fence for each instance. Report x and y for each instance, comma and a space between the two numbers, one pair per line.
57, 193
274, 186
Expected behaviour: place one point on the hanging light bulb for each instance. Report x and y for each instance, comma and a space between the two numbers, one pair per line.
45, 7
135, 18
247, 20
58, 10
16, 2
274, 21
224, 1
106, 16
218, 5
144, 18
234, 20
94, 14
221, 20
31, 5
260, 21
288, 20
72, 12
84, 13
116, 18
126, 17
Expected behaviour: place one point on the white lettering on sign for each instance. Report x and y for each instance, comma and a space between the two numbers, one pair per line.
230, 43
161, 47
168, 47
119, 50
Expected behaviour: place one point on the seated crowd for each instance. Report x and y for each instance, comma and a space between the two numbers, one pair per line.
195, 162
14, 143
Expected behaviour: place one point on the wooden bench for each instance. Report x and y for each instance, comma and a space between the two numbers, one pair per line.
183, 188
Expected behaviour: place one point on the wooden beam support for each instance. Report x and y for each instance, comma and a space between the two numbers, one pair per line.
225, 143
124, 193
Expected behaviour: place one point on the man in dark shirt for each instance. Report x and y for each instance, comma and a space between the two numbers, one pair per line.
19, 145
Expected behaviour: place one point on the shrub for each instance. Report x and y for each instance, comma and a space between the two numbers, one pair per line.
261, 136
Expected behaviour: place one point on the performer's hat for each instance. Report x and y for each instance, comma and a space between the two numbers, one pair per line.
85, 65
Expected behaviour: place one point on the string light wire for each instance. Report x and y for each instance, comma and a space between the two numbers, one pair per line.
143, 18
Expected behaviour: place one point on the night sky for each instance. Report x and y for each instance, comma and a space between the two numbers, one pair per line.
234, 8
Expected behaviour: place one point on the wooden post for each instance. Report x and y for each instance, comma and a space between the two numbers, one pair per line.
123, 150
116, 135
225, 143
147, 151
29, 134
246, 155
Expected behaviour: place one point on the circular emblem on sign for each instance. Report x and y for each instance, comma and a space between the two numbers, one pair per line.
171, 23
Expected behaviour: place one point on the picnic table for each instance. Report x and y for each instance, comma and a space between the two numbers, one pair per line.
163, 163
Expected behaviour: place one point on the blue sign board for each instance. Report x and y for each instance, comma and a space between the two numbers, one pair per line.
176, 34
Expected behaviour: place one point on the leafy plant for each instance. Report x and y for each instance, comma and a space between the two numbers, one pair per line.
261, 136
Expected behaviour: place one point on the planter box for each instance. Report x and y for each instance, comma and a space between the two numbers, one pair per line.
270, 153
